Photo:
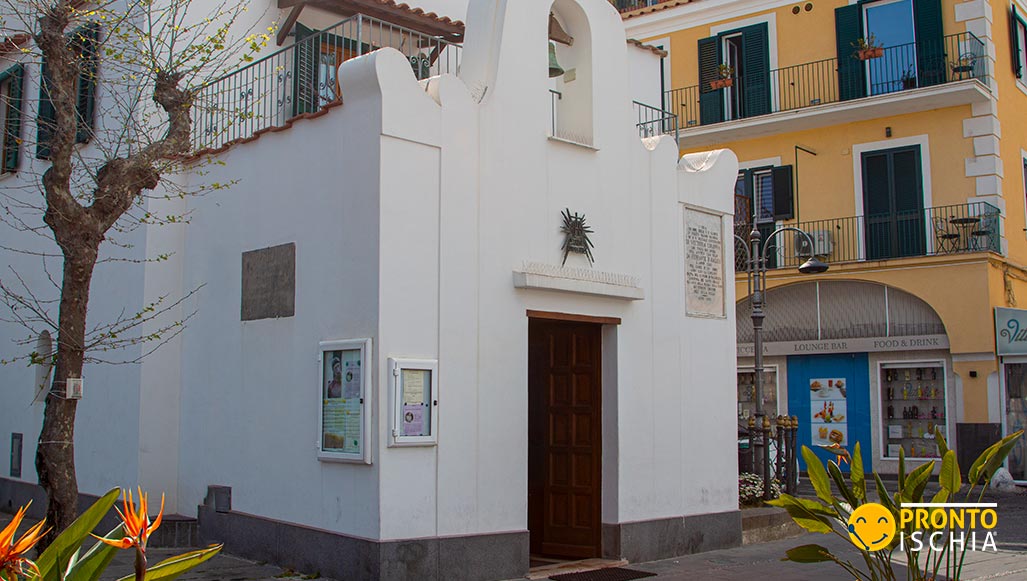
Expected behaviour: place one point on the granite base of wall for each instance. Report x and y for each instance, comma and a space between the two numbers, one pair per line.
313, 551
671, 537
175, 532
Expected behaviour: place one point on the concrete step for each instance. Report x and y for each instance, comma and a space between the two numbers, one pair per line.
764, 524
176, 532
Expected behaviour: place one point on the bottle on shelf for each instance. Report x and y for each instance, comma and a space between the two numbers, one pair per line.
934, 373
891, 411
907, 375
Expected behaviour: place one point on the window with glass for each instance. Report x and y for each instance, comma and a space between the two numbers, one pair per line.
747, 392
913, 408
11, 84
345, 398
415, 401
890, 24
1018, 41
1016, 417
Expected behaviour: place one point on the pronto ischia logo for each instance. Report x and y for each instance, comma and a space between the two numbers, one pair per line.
934, 526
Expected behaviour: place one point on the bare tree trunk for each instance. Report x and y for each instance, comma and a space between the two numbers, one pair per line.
55, 454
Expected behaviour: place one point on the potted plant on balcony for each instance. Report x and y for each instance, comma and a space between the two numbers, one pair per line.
867, 48
909, 78
726, 73
964, 64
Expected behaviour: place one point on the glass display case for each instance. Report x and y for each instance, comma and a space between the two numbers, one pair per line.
913, 408
747, 392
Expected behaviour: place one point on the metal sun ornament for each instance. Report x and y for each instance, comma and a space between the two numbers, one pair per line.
576, 239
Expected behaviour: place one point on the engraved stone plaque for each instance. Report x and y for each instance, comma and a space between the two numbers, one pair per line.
704, 264
269, 283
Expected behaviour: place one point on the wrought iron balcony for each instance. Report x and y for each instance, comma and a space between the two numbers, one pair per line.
898, 68
962, 228
302, 78
629, 5
653, 121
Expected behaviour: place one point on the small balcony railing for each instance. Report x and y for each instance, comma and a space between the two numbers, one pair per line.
962, 56
629, 5
653, 121
303, 78
957, 229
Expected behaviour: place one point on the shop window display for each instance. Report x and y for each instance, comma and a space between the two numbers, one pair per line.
747, 392
913, 407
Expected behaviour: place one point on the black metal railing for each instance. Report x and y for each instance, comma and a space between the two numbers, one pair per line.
898, 68
554, 111
955, 229
629, 5
302, 78
653, 121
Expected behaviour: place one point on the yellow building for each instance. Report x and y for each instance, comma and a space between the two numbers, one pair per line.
894, 132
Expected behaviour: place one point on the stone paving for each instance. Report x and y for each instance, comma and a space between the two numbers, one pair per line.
762, 560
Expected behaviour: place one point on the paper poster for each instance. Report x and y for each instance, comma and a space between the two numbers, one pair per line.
413, 385
351, 380
829, 411
413, 420
341, 406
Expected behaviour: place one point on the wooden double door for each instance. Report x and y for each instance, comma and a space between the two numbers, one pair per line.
564, 438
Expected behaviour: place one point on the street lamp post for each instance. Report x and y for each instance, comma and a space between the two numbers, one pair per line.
756, 274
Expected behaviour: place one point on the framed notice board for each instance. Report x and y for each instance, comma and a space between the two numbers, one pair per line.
415, 401
345, 398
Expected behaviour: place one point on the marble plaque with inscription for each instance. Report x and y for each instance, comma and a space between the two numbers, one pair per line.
269, 283
704, 264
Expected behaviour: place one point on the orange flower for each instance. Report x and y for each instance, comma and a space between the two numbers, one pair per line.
136, 523
13, 561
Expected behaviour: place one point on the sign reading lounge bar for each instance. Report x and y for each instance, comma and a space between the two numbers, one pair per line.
1010, 331
860, 345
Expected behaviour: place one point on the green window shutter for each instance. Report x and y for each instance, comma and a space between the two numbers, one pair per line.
1014, 40
305, 65
750, 194
848, 28
784, 200
931, 62
711, 102
14, 76
46, 118
755, 70
88, 37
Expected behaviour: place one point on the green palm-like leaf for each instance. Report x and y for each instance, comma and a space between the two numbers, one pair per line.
95, 561
808, 514
990, 459
942, 444
949, 479
172, 567
817, 475
54, 560
857, 476
843, 487
809, 554
913, 491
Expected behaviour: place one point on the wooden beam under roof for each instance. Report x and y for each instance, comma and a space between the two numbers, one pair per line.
290, 21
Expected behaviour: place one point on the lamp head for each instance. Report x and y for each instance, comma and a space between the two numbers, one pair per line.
813, 266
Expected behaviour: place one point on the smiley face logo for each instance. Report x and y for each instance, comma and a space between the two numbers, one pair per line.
871, 527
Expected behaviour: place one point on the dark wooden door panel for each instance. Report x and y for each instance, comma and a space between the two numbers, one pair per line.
565, 438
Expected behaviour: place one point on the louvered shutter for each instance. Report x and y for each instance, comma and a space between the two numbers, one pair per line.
305, 65
85, 104
756, 70
848, 27
784, 200
930, 43
711, 102
1014, 40
12, 126
47, 116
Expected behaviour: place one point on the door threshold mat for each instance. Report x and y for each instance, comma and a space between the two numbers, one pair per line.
612, 574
